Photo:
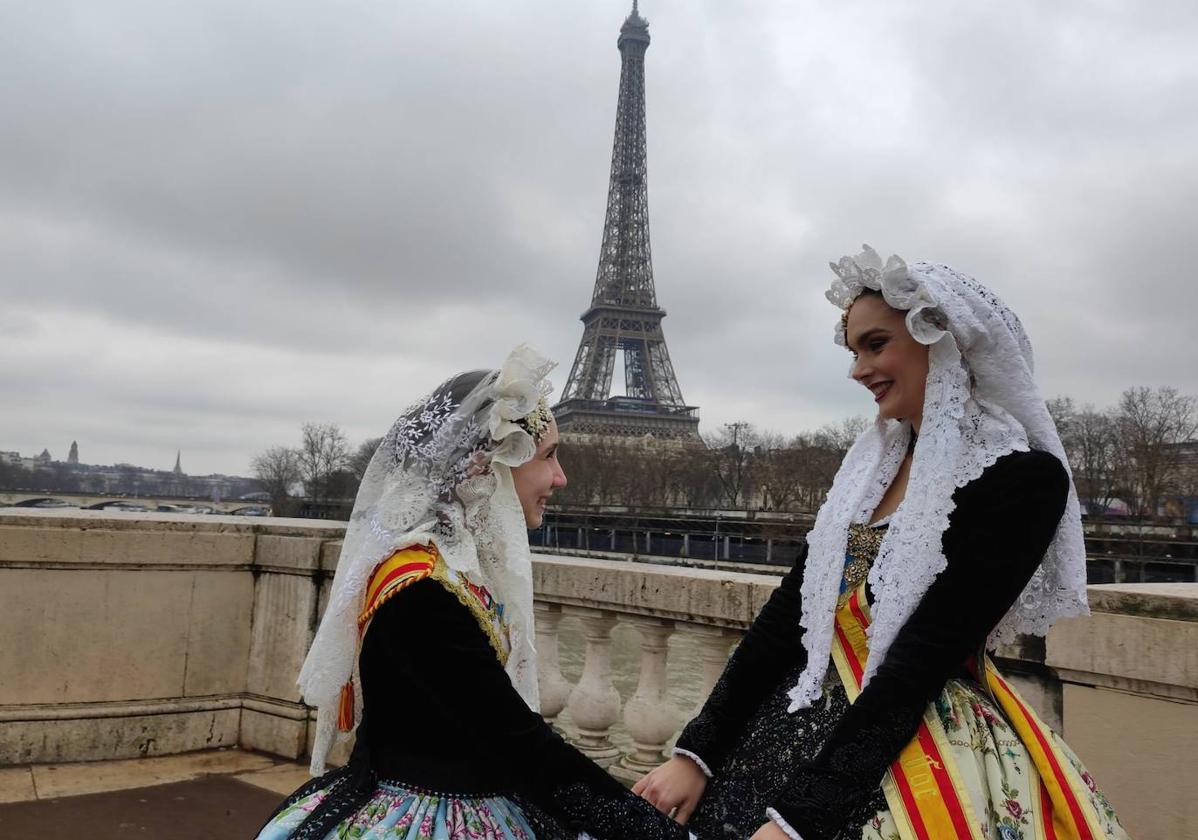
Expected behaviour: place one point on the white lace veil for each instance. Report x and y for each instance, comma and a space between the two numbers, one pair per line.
442, 475
981, 402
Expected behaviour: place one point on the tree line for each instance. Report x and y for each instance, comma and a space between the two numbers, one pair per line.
1138, 453
1137, 457
738, 466
323, 470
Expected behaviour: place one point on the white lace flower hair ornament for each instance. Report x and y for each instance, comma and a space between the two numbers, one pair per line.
925, 320
980, 403
441, 476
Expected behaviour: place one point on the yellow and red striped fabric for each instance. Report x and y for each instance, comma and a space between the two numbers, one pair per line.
1069, 815
400, 570
923, 787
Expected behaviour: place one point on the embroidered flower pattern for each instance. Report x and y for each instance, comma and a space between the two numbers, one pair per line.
398, 813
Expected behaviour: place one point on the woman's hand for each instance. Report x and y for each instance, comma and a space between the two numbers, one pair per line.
770, 831
674, 788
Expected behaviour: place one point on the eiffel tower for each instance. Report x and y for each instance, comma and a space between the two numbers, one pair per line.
624, 315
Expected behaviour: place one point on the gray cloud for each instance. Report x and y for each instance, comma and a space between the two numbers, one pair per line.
218, 221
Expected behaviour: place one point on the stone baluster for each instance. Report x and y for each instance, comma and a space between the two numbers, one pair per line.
714, 644
594, 704
554, 688
649, 716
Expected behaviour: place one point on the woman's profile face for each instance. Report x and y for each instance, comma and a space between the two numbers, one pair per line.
887, 360
537, 479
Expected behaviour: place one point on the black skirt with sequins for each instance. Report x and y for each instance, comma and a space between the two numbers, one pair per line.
758, 768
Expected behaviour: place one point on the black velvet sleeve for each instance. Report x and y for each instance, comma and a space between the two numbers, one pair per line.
997, 535
769, 650
426, 635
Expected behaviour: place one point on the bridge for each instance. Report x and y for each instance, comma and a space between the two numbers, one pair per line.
25, 498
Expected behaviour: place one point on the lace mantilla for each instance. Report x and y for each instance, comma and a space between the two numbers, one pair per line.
442, 475
981, 402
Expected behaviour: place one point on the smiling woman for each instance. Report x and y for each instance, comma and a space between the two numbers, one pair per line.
886, 358
538, 478
430, 620
861, 704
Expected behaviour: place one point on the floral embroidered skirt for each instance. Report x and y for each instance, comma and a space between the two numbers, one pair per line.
994, 764
395, 812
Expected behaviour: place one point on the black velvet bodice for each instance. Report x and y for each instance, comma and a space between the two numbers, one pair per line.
1002, 524
442, 715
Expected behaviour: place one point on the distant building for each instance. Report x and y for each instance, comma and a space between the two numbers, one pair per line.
73, 457
49, 475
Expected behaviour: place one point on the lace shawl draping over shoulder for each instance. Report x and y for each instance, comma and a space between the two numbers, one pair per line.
442, 475
981, 402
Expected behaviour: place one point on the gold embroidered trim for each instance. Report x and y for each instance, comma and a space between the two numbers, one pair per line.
485, 618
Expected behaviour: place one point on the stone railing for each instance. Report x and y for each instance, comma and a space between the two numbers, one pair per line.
158, 634
710, 608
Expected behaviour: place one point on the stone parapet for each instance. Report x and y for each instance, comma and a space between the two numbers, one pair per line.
149, 634
701, 596
1129, 701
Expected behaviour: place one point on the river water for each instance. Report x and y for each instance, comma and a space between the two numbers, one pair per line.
684, 670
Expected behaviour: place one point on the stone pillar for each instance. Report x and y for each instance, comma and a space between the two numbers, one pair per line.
554, 688
594, 703
714, 644
650, 718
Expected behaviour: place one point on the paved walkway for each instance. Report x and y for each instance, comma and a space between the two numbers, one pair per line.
208, 795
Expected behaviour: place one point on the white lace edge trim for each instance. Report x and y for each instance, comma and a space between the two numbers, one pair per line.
777, 820
702, 764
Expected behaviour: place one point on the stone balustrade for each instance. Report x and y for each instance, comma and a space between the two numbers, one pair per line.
711, 608
154, 634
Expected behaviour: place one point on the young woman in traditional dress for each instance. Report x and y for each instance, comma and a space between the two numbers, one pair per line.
861, 704
425, 648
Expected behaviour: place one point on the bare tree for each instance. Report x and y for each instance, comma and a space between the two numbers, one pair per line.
1064, 416
360, 459
323, 451
732, 454
1149, 423
1091, 444
277, 469
779, 472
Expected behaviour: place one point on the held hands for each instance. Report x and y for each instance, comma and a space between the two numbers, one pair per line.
674, 788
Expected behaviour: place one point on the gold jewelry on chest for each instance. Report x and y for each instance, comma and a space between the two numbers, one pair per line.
862, 549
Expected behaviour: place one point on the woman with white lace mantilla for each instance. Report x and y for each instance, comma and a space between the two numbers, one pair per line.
861, 703
425, 648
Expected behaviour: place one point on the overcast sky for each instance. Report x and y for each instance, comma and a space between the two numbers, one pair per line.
221, 219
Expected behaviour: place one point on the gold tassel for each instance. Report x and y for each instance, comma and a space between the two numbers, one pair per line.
345, 708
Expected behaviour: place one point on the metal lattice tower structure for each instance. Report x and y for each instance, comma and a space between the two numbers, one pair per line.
624, 315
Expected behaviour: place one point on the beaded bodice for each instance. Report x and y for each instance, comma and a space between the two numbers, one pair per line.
864, 542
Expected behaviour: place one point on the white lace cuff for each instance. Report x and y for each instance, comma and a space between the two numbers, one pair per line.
782, 824
702, 764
